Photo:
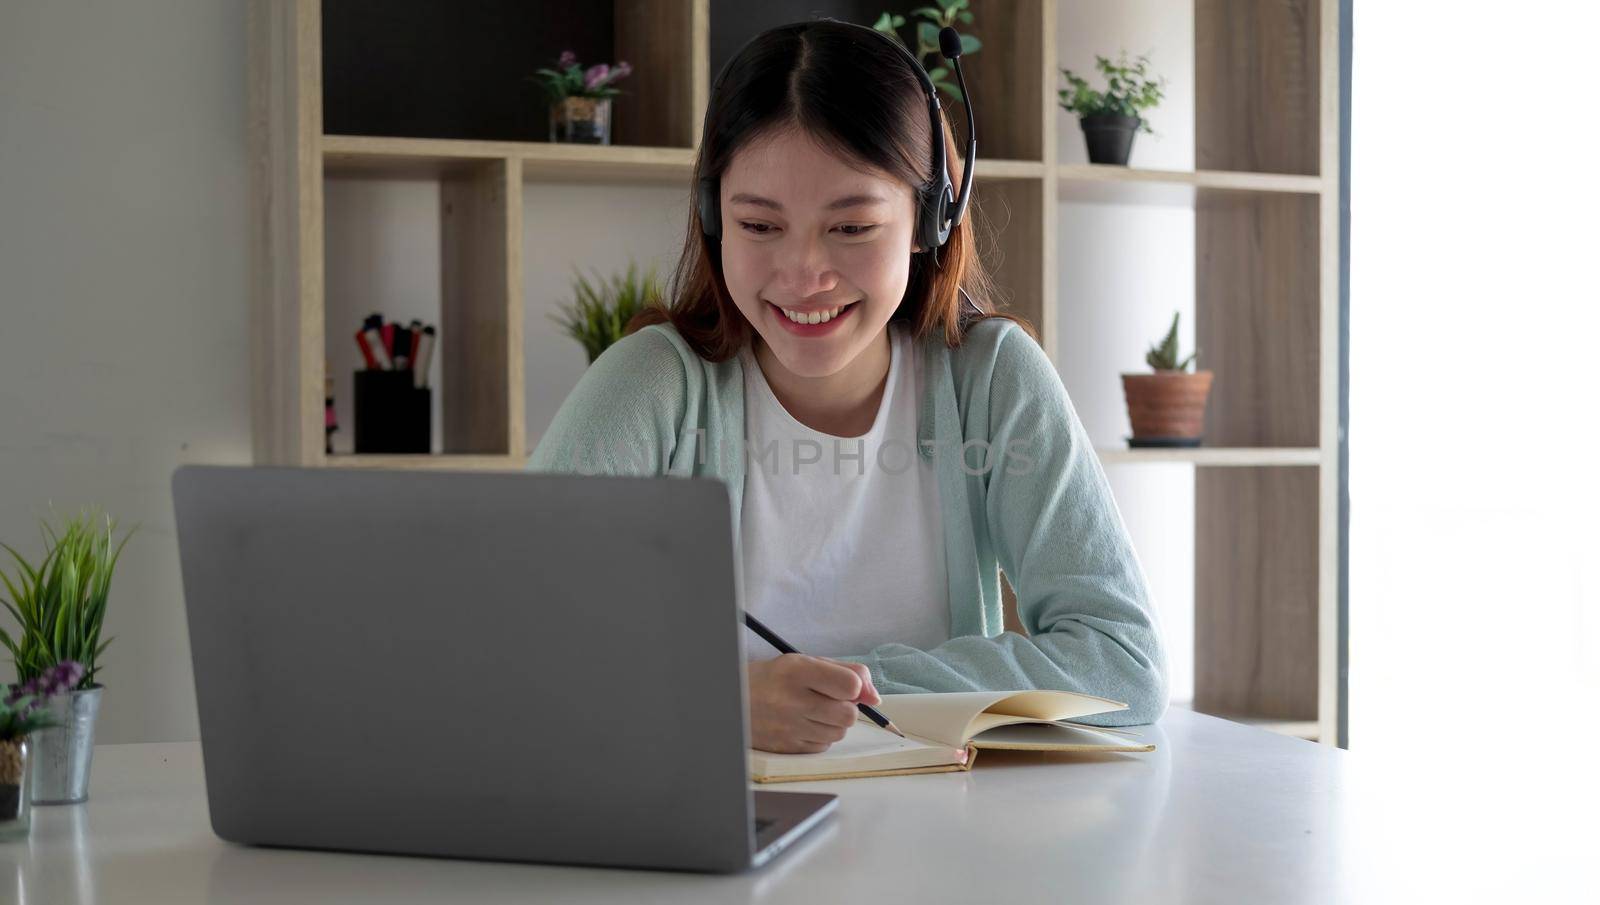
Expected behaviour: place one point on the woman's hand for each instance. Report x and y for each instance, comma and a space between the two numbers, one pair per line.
801, 704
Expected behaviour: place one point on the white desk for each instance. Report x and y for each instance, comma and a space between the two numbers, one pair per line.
1219, 813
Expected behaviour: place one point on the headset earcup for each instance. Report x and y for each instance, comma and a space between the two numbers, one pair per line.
710, 208
930, 216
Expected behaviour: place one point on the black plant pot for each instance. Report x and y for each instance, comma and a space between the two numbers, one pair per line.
1109, 137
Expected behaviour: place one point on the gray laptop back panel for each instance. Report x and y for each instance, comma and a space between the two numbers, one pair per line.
509, 666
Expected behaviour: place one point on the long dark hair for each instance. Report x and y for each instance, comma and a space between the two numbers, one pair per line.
854, 94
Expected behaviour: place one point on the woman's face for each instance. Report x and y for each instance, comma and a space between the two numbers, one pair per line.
804, 230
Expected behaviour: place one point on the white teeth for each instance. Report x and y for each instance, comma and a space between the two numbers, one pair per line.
814, 317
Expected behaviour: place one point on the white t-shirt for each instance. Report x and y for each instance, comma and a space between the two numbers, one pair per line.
842, 540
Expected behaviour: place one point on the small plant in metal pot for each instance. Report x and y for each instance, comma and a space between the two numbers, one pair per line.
1168, 407
59, 607
1110, 118
20, 716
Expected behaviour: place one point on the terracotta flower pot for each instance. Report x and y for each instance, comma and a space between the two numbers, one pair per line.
1167, 408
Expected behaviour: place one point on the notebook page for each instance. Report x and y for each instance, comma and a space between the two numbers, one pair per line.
864, 747
953, 717
1058, 737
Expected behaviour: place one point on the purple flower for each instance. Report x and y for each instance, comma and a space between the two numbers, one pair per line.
622, 71
595, 76
58, 679
568, 58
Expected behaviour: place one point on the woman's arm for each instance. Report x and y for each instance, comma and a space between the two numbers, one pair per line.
1059, 537
622, 416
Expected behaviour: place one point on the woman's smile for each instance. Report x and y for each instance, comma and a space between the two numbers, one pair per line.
814, 323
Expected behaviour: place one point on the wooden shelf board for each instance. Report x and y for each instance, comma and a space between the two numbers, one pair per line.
448, 461
357, 155
1006, 170
1107, 184
360, 155
1309, 730
1306, 729
552, 162
1242, 457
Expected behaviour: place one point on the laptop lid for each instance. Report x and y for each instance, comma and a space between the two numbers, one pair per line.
513, 666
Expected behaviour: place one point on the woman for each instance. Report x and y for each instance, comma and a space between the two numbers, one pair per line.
887, 442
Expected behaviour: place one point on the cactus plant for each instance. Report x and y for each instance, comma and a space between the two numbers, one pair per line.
1164, 357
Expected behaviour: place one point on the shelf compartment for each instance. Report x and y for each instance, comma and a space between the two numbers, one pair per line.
1013, 242
1098, 183
477, 374
1257, 85
1011, 76
1256, 592
1258, 318
1214, 457
429, 70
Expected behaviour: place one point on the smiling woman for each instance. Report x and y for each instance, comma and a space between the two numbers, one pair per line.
814, 311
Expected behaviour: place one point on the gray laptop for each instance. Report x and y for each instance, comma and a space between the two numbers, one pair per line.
509, 666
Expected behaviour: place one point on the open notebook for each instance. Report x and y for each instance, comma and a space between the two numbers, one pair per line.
945, 731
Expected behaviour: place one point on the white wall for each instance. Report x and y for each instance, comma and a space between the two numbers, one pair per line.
1475, 559
1475, 549
123, 294
1124, 270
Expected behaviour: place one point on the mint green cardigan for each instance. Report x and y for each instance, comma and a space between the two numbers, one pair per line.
1039, 507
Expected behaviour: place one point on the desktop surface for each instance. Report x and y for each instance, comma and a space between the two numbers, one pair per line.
1219, 812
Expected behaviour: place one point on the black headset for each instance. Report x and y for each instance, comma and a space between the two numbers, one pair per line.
938, 207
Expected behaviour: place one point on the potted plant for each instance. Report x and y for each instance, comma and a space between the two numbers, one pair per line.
600, 315
1110, 118
20, 716
580, 99
1167, 408
935, 20
59, 606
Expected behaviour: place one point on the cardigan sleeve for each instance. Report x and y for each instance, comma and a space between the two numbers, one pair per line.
1059, 537
621, 418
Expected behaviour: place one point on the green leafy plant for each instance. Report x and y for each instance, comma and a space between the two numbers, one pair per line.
603, 308
1129, 89
60, 604
21, 717
1164, 357
948, 13
571, 79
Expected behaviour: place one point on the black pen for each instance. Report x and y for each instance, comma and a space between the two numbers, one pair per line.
771, 638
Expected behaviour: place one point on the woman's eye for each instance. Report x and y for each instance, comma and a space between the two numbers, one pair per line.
767, 229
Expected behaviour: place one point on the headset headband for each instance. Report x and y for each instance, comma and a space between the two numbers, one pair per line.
939, 209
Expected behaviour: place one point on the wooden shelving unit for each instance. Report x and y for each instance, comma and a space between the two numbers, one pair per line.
1211, 456
1264, 196
1094, 182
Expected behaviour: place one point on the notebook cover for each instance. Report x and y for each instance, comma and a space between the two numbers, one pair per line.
972, 755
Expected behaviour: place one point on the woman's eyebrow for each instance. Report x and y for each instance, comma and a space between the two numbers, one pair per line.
846, 201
